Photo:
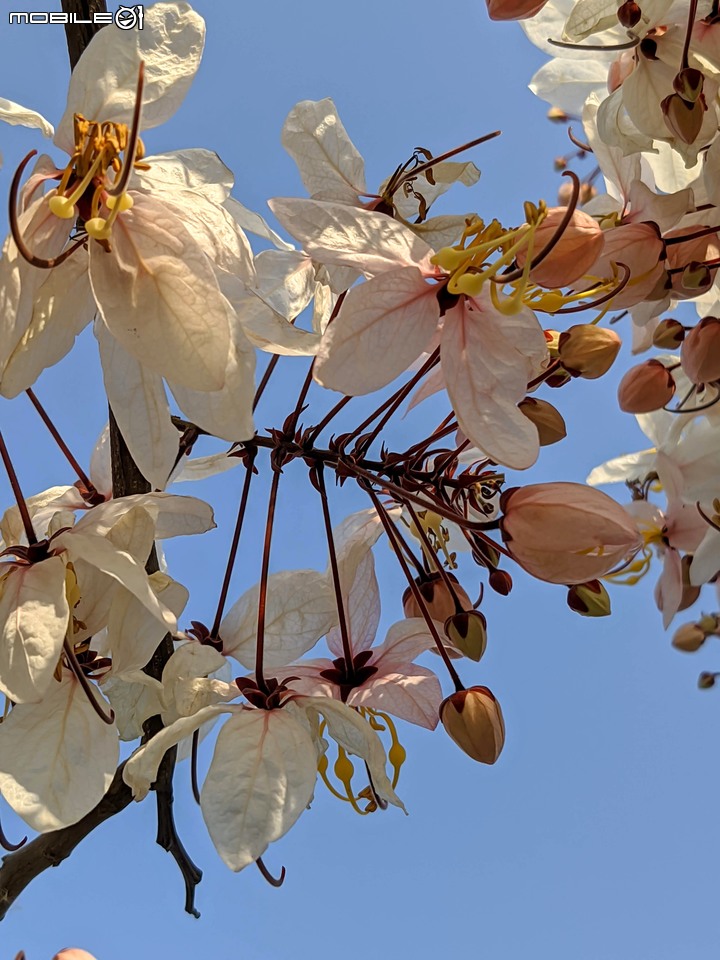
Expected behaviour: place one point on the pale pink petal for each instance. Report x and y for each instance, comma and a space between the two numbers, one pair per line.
486, 362
383, 325
340, 235
414, 695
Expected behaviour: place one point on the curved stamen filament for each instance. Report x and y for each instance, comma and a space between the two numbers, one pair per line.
64, 207
83, 681
273, 881
23, 249
121, 185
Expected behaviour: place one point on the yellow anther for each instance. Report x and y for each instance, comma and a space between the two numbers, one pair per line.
470, 284
124, 202
98, 228
62, 207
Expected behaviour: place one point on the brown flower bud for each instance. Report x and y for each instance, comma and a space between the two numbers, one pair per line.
688, 638
514, 9
437, 596
500, 581
588, 351
688, 84
629, 13
700, 354
646, 387
589, 599
705, 681
473, 719
467, 632
577, 249
695, 278
550, 424
668, 335
683, 119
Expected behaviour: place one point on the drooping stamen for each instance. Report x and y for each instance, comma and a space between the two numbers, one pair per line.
273, 881
585, 147
120, 186
64, 207
23, 249
193, 766
7, 845
552, 242
628, 45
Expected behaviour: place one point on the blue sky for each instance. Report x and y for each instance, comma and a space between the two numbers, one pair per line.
593, 836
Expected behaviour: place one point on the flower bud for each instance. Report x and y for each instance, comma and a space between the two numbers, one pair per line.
571, 257
467, 632
589, 599
73, 953
646, 387
566, 532
688, 638
669, 334
514, 9
565, 192
629, 13
473, 719
688, 84
500, 581
640, 248
700, 354
556, 115
437, 596
683, 119
705, 681
550, 424
588, 351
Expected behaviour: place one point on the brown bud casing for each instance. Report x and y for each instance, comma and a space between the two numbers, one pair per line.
474, 720
548, 420
588, 351
467, 632
668, 335
437, 596
688, 638
589, 599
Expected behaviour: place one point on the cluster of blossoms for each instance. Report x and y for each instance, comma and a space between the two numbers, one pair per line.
153, 251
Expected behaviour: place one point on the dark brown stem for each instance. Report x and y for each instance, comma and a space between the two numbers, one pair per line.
318, 472
252, 451
87, 482
429, 550
262, 599
395, 541
17, 493
85, 684
79, 35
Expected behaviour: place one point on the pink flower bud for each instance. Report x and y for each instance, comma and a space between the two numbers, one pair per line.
700, 353
648, 386
514, 9
639, 247
566, 532
73, 953
574, 253
474, 720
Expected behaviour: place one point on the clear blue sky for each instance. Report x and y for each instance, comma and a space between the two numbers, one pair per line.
594, 836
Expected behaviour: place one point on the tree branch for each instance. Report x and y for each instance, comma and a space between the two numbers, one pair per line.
50, 849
